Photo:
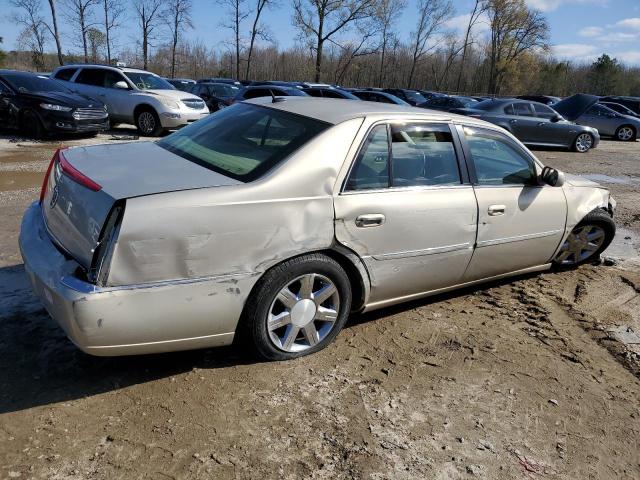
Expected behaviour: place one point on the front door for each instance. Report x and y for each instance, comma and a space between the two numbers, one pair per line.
520, 223
406, 210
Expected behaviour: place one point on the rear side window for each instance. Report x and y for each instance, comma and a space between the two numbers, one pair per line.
243, 141
371, 168
523, 109
91, 76
257, 92
65, 73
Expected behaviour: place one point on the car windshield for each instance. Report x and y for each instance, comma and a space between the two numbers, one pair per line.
243, 141
415, 96
223, 90
148, 81
27, 83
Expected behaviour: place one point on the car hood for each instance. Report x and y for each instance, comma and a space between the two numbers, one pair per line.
173, 94
574, 106
578, 181
67, 99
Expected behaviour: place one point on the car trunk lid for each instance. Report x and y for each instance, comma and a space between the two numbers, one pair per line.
85, 183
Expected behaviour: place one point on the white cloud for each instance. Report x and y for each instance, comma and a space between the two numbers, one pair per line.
550, 5
460, 23
575, 51
590, 32
631, 23
631, 57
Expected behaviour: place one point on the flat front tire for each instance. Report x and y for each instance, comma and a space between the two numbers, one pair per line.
587, 240
297, 308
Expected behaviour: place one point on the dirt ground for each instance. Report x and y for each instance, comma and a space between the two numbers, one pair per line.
537, 377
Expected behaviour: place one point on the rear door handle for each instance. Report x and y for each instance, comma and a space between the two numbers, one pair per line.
495, 210
370, 220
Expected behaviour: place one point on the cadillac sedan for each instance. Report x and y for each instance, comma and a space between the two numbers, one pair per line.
272, 220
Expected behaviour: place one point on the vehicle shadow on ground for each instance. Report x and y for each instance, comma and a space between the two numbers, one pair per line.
42, 367
17, 137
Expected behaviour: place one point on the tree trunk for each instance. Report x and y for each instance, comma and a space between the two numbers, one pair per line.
106, 31
174, 46
56, 34
317, 75
145, 47
237, 39
384, 51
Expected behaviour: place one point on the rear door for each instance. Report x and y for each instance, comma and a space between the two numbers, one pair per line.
408, 210
520, 223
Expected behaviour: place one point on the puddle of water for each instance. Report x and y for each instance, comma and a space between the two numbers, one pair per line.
601, 178
20, 180
625, 244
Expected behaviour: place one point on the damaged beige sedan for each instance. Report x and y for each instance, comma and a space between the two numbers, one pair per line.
272, 220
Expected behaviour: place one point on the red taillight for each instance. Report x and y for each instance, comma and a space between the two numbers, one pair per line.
45, 182
75, 174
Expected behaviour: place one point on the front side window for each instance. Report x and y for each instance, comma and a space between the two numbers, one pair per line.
243, 141
65, 73
497, 160
543, 111
419, 155
91, 76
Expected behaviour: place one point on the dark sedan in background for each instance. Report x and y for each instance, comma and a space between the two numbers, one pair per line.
537, 124
268, 91
38, 106
216, 95
545, 99
447, 104
378, 96
329, 92
412, 97
630, 102
184, 84
618, 107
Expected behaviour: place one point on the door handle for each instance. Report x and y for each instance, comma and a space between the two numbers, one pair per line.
541, 124
370, 220
495, 210
513, 121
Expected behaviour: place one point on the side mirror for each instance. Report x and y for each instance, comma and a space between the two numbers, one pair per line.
556, 118
552, 177
121, 85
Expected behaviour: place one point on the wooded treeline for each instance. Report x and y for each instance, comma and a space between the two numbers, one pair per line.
502, 49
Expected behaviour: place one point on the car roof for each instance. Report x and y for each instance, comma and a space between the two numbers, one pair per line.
336, 110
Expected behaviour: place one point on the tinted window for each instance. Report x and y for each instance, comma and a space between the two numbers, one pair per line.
497, 160
371, 168
91, 76
523, 109
598, 110
414, 96
331, 94
243, 141
509, 109
543, 111
257, 92
223, 91
313, 92
380, 98
65, 73
111, 78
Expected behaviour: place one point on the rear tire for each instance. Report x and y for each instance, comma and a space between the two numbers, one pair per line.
297, 308
587, 240
626, 133
31, 125
583, 143
148, 123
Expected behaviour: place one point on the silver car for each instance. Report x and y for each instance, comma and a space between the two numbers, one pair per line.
272, 220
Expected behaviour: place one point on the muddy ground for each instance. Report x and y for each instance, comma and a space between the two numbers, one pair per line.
529, 378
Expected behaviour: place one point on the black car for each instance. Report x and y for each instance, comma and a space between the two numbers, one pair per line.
544, 99
632, 103
230, 81
447, 104
378, 96
216, 95
428, 94
277, 83
329, 92
268, 91
184, 84
38, 105
412, 97
617, 107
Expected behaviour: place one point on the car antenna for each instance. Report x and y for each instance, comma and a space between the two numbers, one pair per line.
273, 97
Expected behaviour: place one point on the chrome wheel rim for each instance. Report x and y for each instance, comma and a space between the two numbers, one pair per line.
146, 122
303, 313
581, 243
625, 134
584, 142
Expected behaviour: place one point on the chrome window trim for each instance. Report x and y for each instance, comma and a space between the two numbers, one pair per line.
412, 188
518, 238
425, 251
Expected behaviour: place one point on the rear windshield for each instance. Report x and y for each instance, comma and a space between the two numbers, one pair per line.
243, 141
27, 83
415, 96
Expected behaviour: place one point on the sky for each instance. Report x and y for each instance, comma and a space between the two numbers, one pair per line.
580, 30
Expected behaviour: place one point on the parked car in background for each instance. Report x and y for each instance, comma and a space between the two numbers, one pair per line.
447, 104
534, 123
544, 99
243, 226
216, 95
184, 84
617, 107
611, 123
267, 91
135, 96
427, 94
231, 81
378, 96
38, 106
277, 83
329, 92
412, 97
630, 102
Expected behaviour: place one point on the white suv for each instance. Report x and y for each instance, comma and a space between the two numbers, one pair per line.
135, 96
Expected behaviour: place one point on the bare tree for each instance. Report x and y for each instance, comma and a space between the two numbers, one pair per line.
479, 7
257, 30
80, 14
237, 14
177, 16
432, 15
515, 29
34, 30
386, 14
147, 14
54, 30
114, 11
321, 20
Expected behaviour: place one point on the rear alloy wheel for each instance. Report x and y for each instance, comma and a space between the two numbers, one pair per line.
626, 133
587, 240
148, 123
297, 308
583, 143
